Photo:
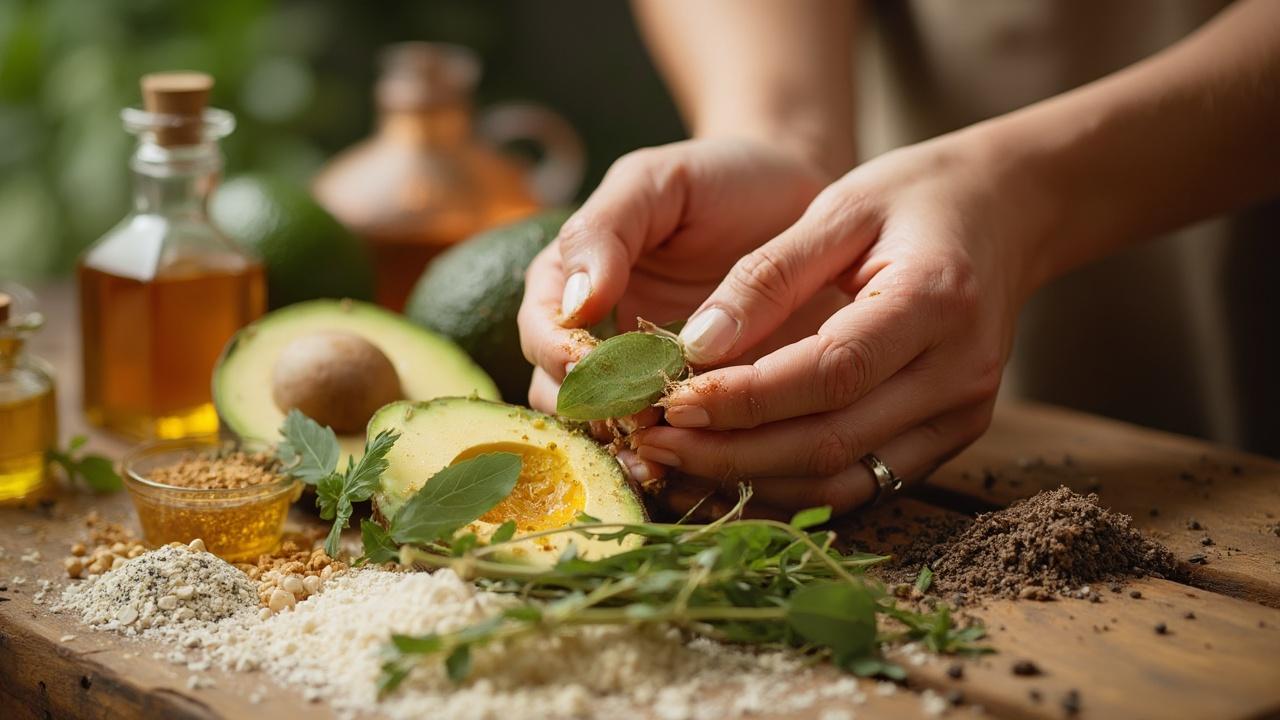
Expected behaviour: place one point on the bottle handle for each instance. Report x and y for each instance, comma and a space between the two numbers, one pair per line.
556, 177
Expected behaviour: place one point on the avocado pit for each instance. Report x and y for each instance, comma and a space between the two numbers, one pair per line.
337, 379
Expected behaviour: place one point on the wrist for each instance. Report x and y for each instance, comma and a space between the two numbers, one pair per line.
810, 137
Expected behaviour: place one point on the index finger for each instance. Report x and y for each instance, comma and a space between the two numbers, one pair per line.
544, 341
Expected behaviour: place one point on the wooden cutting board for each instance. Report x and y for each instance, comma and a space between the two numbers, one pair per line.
1224, 663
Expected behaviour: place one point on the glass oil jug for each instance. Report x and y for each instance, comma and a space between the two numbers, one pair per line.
162, 292
28, 408
429, 177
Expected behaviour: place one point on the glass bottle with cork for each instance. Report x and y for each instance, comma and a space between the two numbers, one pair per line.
28, 409
431, 175
163, 291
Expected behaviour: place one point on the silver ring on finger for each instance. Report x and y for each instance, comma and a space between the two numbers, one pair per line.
887, 481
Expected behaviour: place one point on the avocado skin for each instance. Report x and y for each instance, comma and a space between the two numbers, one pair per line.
471, 293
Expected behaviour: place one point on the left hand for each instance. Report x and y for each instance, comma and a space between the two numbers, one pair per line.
931, 243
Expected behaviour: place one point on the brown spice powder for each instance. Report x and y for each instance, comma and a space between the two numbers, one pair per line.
1056, 542
216, 471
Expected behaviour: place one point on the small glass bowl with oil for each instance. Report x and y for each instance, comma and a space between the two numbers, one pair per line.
236, 524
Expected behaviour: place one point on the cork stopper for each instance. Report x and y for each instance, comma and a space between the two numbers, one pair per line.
182, 96
5, 303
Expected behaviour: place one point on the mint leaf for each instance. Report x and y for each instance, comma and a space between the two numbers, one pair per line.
309, 451
810, 517
378, 545
96, 472
836, 615
621, 376
455, 496
362, 480
458, 664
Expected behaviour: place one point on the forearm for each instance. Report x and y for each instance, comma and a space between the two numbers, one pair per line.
1182, 136
778, 72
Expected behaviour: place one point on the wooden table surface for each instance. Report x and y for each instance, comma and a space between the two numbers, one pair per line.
1224, 663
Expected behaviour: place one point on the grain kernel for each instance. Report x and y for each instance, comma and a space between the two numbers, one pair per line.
197, 545
168, 602
280, 599
185, 592
265, 613
118, 548
127, 615
74, 566
311, 584
79, 550
184, 614
117, 562
292, 585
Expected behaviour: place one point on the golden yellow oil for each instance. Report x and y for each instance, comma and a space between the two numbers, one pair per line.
28, 429
546, 495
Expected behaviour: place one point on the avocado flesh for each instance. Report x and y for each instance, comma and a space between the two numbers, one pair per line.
428, 365
563, 472
471, 294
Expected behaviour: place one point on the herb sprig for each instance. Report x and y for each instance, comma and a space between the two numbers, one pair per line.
310, 453
759, 582
95, 471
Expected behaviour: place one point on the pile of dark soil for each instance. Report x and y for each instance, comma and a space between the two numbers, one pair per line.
1056, 542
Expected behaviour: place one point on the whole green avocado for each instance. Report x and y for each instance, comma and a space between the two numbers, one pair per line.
471, 294
307, 254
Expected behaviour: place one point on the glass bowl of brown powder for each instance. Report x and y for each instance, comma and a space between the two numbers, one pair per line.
231, 495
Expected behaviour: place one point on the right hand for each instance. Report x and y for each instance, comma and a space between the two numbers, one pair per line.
654, 240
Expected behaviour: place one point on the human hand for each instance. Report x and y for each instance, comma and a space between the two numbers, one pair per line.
653, 240
929, 240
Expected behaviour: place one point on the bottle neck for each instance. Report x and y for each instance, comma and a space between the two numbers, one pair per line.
175, 181
448, 125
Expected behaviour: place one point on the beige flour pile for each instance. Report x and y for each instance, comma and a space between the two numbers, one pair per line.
329, 647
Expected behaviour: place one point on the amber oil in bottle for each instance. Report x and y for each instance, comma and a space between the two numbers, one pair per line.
162, 293
28, 410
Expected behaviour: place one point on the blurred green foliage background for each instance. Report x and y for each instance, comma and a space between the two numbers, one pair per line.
298, 75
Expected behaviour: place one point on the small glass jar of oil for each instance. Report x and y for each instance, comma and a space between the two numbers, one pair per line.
28, 410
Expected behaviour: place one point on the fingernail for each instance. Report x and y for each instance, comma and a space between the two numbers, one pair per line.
688, 416
709, 335
569, 366
635, 467
576, 290
662, 456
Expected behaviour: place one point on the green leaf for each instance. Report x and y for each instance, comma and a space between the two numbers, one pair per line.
924, 579
837, 615
308, 450
621, 376
811, 517
458, 664
462, 544
378, 545
417, 644
76, 443
505, 532
329, 494
393, 674
99, 474
362, 480
523, 613
875, 667
455, 496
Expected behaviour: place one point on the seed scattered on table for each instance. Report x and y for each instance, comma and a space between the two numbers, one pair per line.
1025, 668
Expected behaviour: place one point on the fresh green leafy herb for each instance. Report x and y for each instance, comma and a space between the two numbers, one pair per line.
456, 496
811, 517
734, 580
308, 450
310, 453
621, 376
96, 472
924, 579
378, 545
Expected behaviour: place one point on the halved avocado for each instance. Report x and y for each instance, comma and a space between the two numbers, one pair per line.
338, 361
564, 472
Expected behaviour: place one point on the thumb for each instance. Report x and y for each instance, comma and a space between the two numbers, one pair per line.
768, 284
636, 206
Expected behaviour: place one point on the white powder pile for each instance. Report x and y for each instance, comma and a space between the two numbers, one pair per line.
329, 647
171, 586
